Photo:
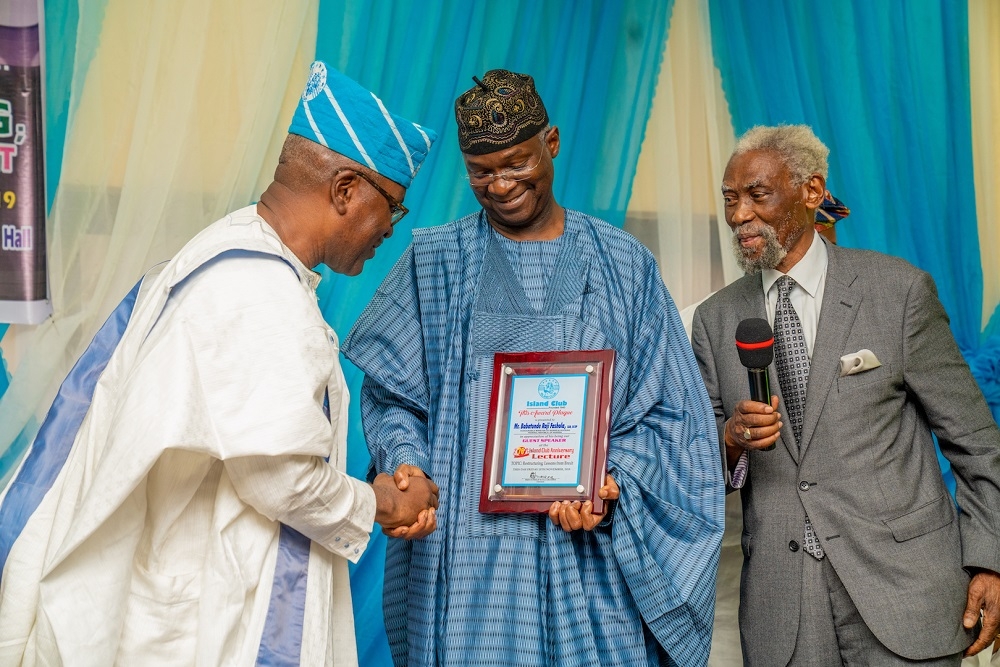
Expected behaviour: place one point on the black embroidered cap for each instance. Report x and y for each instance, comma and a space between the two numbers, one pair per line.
501, 110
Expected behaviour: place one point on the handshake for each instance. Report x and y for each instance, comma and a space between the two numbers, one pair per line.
405, 503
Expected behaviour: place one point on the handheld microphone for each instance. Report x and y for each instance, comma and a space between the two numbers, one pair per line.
755, 345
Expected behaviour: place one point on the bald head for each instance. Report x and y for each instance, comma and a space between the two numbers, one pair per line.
305, 165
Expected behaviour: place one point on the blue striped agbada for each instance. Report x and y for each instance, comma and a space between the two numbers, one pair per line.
487, 589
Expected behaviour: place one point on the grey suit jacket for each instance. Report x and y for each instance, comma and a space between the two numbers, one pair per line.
866, 471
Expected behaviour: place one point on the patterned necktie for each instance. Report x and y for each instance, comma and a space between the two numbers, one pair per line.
792, 361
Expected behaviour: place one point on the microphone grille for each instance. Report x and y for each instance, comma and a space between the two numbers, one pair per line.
755, 343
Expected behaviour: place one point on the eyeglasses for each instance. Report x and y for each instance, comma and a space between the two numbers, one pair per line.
512, 175
396, 208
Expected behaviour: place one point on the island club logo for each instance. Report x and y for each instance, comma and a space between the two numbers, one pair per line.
548, 388
9, 130
537, 477
520, 452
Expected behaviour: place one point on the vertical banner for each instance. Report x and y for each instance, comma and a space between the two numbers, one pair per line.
23, 274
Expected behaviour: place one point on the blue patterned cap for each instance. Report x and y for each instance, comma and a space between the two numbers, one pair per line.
338, 113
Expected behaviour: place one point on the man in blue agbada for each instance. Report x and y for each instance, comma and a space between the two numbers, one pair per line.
185, 500
634, 586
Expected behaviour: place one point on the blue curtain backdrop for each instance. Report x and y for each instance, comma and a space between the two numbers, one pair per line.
595, 65
886, 86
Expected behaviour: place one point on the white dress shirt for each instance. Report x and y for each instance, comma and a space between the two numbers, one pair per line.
807, 296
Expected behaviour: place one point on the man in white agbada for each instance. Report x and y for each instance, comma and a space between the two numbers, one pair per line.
185, 501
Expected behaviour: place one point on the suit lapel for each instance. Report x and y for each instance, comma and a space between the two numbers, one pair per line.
753, 295
840, 306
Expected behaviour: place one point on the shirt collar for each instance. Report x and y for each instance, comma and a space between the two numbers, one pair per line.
808, 272
307, 276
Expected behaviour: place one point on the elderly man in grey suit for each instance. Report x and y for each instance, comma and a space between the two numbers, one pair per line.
854, 552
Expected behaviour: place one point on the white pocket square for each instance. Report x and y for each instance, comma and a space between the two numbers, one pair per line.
862, 360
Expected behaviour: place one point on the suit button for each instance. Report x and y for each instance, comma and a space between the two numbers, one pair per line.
793, 546
803, 486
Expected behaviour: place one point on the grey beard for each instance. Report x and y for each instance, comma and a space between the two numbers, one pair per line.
769, 258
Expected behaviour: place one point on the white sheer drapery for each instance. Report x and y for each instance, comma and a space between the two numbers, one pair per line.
176, 120
675, 197
984, 84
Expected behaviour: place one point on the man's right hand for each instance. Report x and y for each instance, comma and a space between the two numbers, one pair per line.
406, 512
760, 421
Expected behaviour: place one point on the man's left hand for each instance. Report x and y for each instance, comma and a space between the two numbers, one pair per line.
575, 515
426, 522
984, 594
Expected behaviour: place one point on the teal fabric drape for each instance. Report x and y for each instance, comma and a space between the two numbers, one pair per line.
4, 373
595, 65
886, 86
61, 20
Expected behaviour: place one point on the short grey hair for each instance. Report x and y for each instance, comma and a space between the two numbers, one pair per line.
305, 164
801, 151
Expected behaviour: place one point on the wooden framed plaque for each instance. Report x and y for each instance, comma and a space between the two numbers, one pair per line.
547, 439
